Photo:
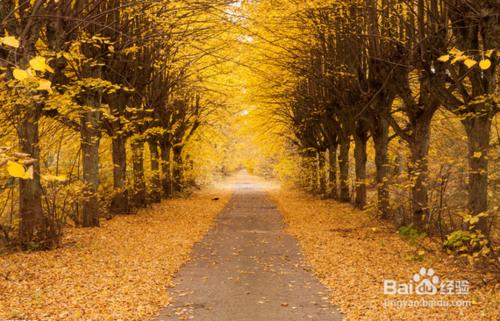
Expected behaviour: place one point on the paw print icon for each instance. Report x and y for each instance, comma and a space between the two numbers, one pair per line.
426, 281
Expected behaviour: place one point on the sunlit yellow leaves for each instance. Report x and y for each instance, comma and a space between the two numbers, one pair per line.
470, 62
485, 64
17, 170
54, 178
20, 74
131, 50
39, 64
444, 58
44, 84
456, 52
459, 56
10, 41
474, 219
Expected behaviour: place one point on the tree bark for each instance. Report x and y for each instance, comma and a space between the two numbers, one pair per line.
419, 147
119, 202
332, 172
345, 146
155, 169
90, 140
381, 141
321, 173
166, 179
138, 169
312, 173
177, 169
478, 134
361, 138
32, 225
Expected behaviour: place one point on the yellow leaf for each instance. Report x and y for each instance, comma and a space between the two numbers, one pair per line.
15, 169
477, 155
485, 64
20, 74
44, 85
29, 173
474, 220
470, 62
444, 58
458, 58
39, 64
10, 41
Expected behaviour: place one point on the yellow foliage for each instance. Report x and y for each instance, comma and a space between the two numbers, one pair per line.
39, 64
20, 74
470, 62
54, 178
444, 58
10, 41
44, 85
485, 64
17, 170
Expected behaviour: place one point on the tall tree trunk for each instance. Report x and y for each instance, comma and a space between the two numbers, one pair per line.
381, 141
312, 173
90, 140
119, 202
90, 137
155, 169
419, 147
177, 169
32, 225
361, 138
478, 135
321, 173
332, 171
166, 179
345, 146
138, 169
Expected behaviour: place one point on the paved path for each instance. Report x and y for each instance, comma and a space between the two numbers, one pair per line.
248, 269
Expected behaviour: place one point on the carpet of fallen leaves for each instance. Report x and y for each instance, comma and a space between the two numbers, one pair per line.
119, 271
352, 253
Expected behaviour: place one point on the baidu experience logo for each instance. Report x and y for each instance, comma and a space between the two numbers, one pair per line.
426, 283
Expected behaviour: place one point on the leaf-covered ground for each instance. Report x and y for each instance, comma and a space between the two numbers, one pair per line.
352, 254
117, 272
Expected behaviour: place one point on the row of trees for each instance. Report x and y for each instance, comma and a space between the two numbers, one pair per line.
366, 69
124, 71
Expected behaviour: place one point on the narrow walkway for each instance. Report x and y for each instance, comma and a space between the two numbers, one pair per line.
248, 269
